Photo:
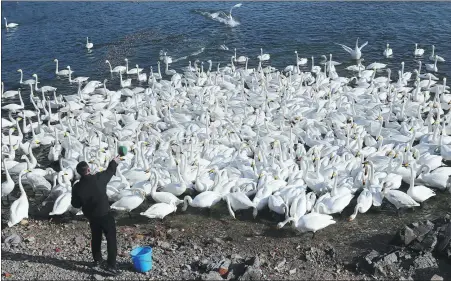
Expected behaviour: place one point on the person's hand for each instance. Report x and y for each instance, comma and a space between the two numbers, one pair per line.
117, 159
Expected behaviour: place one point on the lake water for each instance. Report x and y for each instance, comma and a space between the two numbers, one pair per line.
139, 31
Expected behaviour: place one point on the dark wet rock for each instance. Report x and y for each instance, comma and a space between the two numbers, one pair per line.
421, 244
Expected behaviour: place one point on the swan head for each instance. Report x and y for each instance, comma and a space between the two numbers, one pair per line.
125, 59
55, 60
19, 70
34, 75
107, 61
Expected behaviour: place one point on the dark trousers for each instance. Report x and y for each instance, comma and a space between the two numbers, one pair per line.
104, 225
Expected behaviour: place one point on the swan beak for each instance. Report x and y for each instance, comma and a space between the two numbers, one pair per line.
19, 119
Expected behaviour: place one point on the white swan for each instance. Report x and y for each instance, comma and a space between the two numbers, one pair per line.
388, 52
88, 45
263, 57
418, 52
11, 24
419, 193
130, 202
19, 208
357, 52
205, 199
26, 82
240, 59
437, 178
433, 56
159, 210
125, 83
311, 222
8, 185
237, 200
432, 66
399, 198
15, 107
116, 69
64, 72
364, 203
80, 79
162, 197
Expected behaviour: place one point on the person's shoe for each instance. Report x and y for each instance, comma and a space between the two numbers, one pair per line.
112, 271
97, 264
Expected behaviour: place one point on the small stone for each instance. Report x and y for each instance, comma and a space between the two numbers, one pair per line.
24, 222
436, 278
98, 277
292, 271
280, 265
30, 239
218, 240
164, 245
187, 267
257, 262
236, 258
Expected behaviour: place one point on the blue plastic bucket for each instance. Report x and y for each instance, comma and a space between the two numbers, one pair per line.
142, 258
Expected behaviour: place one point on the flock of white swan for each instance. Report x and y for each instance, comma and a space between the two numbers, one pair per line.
302, 144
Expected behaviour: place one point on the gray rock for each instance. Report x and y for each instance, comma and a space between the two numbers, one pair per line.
292, 271
30, 239
257, 262
13, 240
218, 240
390, 259
252, 273
212, 275
98, 277
436, 278
236, 258
164, 245
425, 261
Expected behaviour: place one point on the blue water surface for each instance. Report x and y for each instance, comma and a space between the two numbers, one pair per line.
139, 31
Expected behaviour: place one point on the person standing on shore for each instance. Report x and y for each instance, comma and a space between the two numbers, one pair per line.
90, 195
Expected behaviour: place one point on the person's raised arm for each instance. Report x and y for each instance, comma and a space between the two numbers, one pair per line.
105, 176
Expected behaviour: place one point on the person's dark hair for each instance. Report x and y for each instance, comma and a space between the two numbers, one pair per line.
82, 168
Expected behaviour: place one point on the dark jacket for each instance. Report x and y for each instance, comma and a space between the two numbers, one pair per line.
90, 193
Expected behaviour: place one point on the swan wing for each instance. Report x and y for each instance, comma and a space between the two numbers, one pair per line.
363, 45
346, 48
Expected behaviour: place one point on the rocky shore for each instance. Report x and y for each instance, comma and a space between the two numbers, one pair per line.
196, 246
